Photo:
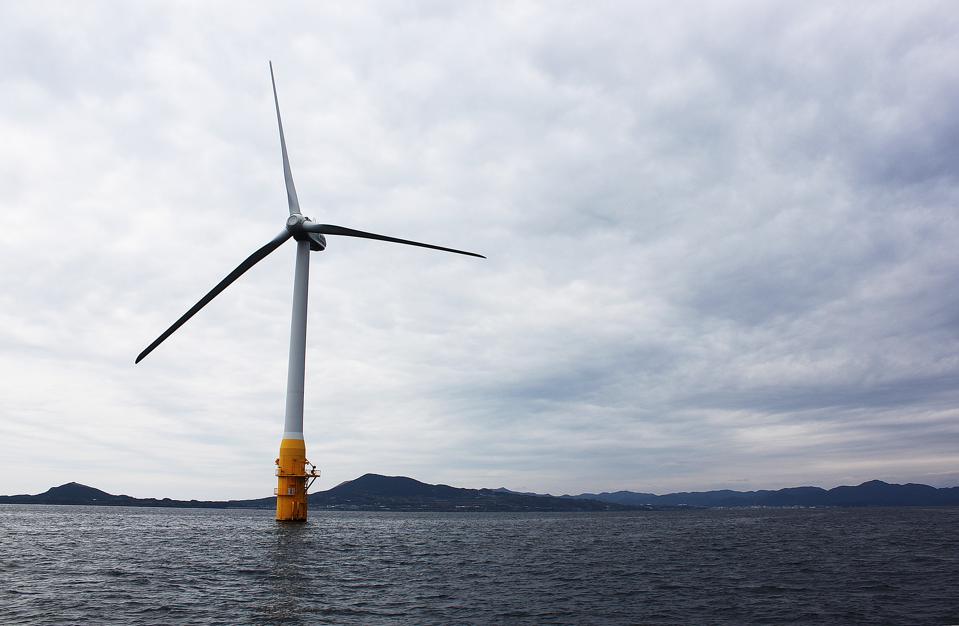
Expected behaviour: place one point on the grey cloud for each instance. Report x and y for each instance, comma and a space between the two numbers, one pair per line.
720, 240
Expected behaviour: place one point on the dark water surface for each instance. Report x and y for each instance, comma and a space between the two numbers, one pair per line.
98, 565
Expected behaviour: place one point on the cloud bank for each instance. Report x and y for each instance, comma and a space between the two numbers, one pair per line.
721, 244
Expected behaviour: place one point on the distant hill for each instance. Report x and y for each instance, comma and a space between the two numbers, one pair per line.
372, 492
75, 493
872, 493
398, 493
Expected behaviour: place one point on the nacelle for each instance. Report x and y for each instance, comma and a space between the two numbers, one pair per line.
317, 242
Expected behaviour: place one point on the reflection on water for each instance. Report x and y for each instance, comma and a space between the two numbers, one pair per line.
173, 566
286, 576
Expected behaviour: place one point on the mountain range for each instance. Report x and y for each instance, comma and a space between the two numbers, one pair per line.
370, 492
373, 492
871, 493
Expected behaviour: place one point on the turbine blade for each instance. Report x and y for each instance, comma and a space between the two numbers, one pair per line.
287, 173
329, 229
250, 261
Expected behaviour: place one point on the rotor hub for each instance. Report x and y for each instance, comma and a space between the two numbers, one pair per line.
295, 223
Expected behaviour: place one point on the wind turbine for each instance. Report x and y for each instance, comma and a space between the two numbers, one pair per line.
291, 491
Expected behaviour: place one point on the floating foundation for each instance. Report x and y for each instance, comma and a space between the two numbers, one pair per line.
293, 481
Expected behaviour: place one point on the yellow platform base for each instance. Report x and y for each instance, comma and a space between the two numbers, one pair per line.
291, 485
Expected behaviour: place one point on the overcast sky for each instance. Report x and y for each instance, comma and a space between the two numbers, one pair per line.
722, 243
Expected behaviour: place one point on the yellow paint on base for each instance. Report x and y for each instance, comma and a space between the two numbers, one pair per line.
291, 502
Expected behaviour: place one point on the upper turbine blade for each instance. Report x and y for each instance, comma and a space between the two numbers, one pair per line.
329, 229
287, 173
250, 261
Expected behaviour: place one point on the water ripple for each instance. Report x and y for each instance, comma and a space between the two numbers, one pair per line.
172, 566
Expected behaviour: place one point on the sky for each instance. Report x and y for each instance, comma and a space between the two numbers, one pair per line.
721, 243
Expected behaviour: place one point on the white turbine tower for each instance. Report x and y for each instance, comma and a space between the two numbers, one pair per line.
291, 501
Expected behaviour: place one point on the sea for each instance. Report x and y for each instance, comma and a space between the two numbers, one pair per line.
115, 565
